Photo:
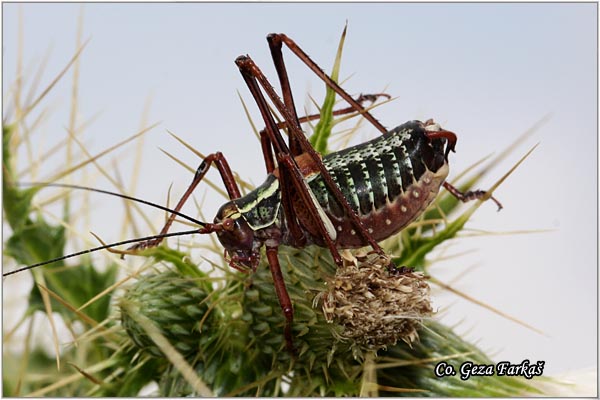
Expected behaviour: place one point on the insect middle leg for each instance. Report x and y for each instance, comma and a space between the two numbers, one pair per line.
282, 295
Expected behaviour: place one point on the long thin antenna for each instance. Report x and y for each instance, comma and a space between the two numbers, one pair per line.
106, 246
124, 196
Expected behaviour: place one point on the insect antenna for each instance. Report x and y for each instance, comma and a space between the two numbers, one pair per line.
123, 196
108, 246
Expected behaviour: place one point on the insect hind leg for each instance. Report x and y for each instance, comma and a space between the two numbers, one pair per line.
275, 42
255, 79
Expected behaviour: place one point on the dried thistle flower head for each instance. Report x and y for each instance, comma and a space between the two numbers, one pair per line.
376, 306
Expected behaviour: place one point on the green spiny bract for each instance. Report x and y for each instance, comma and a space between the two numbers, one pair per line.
174, 303
196, 321
241, 349
231, 347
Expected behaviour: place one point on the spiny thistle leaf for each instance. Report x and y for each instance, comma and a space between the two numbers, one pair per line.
33, 241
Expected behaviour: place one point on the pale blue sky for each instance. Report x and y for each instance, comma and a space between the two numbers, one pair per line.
485, 71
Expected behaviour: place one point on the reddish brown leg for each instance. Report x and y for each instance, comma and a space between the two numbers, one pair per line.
286, 190
282, 296
267, 151
275, 42
264, 138
253, 76
290, 176
286, 90
288, 99
288, 167
228, 180
470, 195
272, 139
362, 98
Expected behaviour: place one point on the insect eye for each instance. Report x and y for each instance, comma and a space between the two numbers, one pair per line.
228, 224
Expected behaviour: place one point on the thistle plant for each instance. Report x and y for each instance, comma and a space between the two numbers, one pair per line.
358, 330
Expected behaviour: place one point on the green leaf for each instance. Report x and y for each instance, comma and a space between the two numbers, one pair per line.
36, 241
322, 131
415, 250
16, 203
77, 285
180, 260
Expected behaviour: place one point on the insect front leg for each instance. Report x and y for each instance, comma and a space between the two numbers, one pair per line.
228, 179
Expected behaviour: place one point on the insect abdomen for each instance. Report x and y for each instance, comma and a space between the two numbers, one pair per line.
388, 181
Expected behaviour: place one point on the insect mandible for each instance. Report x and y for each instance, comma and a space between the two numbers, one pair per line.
352, 198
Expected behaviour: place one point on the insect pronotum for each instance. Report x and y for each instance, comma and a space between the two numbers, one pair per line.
348, 199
